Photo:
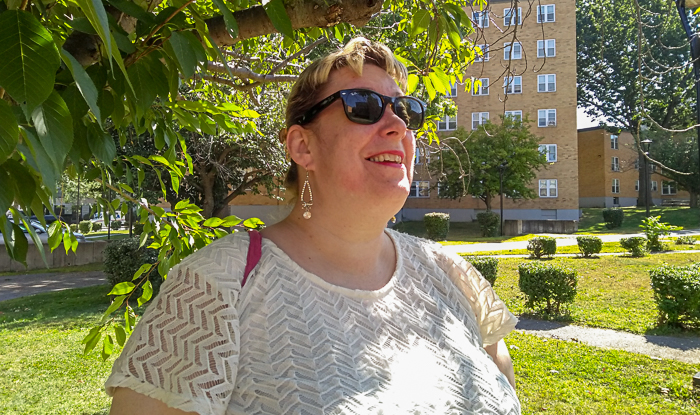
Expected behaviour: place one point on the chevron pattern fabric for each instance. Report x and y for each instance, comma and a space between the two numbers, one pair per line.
292, 343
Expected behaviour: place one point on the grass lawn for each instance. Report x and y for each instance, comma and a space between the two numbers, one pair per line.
608, 247
460, 233
76, 268
613, 292
592, 220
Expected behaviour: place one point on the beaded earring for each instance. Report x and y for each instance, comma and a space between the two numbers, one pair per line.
304, 204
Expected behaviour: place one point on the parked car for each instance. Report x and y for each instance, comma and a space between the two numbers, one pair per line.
39, 229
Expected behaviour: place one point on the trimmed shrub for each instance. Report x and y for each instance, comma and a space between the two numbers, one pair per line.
685, 240
636, 245
96, 226
74, 227
85, 227
115, 225
123, 258
677, 293
654, 229
487, 266
589, 245
613, 218
540, 246
550, 285
489, 223
138, 228
437, 225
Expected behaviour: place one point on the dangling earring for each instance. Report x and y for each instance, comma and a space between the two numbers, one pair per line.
304, 204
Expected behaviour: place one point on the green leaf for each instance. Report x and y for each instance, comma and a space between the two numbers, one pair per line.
29, 58
107, 347
54, 125
113, 307
95, 12
141, 270
25, 186
231, 221
420, 22
32, 233
437, 83
9, 130
55, 235
412, 83
129, 319
21, 246
213, 222
253, 223
278, 16
147, 293
429, 87
122, 288
183, 52
120, 334
83, 81
101, 144
144, 92
50, 173
229, 20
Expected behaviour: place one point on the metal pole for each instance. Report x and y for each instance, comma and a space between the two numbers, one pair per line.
501, 168
80, 211
647, 175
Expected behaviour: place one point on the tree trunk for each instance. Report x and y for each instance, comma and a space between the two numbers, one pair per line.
208, 195
643, 182
693, 199
488, 200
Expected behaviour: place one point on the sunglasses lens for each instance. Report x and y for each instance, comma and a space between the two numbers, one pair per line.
410, 110
363, 107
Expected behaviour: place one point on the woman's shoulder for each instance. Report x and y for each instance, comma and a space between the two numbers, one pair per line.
225, 254
420, 245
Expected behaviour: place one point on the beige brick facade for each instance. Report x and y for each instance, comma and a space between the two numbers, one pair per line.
563, 99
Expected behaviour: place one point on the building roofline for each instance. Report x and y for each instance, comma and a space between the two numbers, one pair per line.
599, 127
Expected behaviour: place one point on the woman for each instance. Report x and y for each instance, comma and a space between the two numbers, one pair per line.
340, 315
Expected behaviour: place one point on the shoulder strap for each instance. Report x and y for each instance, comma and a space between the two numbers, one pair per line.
254, 254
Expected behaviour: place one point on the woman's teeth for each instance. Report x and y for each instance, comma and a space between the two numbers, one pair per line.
393, 158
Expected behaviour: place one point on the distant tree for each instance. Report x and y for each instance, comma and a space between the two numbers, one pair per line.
680, 151
471, 163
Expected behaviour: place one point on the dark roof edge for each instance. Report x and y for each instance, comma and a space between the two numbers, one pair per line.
598, 127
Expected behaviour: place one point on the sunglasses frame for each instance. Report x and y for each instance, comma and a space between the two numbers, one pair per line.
386, 101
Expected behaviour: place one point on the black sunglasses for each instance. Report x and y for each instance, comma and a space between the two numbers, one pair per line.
363, 106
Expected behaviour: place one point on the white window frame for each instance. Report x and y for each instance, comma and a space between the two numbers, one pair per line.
544, 17
615, 145
615, 164
616, 186
636, 186
549, 117
481, 18
517, 115
420, 189
480, 118
452, 93
420, 157
509, 19
448, 123
517, 51
548, 188
654, 186
544, 46
547, 83
483, 89
550, 151
513, 85
484, 55
669, 188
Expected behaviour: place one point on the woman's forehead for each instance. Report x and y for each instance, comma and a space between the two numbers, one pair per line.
373, 78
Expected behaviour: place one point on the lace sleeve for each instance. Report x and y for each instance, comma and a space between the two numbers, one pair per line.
184, 350
492, 315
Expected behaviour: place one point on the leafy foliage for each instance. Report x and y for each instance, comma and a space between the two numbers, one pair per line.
552, 284
487, 266
437, 225
124, 257
115, 225
589, 245
654, 229
540, 246
635, 245
96, 226
685, 240
85, 227
489, 223
613, 217
677, 293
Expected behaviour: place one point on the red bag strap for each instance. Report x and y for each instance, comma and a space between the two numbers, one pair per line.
254, 254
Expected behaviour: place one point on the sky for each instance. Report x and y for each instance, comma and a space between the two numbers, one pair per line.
583, 120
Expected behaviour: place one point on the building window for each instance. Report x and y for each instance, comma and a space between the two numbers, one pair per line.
654, 186
479, 118
511, 17
546, 48
549, 150
422, 156
447, 123
615, 164
614, 145
452, 93
420, 189
546, 83
481, 18
515, 115
545, 13
482, 53
513, 85
512, 50
548, 188
616, 185
652, 167
668, 188
482, 87
636, 186
546, 118
616, 200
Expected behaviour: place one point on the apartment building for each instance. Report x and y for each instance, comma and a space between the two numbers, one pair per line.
608, 171
527, 66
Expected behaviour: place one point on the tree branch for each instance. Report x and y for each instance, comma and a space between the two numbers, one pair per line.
303, 51
232, 84
246, 73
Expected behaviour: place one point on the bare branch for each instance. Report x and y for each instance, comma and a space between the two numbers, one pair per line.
246, 73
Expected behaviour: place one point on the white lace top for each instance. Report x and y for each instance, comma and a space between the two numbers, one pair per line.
291, 343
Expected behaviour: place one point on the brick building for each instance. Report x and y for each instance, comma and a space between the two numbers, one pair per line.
533, 74
608, 172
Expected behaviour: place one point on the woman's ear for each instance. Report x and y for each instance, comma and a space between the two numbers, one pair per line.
298, 139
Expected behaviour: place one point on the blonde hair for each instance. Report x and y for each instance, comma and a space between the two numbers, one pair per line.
354, 55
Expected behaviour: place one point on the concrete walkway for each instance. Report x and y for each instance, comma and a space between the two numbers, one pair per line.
21, 285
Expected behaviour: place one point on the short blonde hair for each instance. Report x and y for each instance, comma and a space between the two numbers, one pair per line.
354, 55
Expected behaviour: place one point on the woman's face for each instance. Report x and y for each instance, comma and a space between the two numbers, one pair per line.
367, 164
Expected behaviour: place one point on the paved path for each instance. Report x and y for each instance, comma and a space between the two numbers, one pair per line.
21, 285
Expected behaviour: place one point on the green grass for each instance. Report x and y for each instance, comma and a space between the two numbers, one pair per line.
558, 377
613, 292
460, 233
592, 220
608, 247
76, 268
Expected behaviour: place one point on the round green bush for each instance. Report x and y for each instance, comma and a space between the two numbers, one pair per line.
677, 293
685, 240
74, 227
613, 217
122, 258
437, 225
540, 246
489, 223
636, 245
115, 225
550, 285
85, 227
589, 245
96, 226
